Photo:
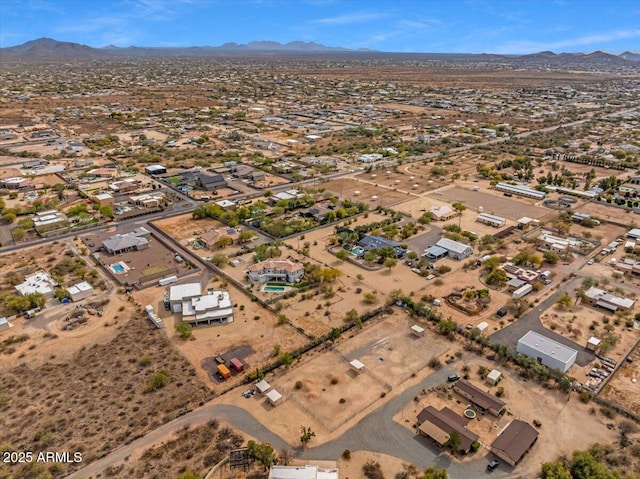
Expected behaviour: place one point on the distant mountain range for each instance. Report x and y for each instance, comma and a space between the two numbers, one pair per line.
47, 49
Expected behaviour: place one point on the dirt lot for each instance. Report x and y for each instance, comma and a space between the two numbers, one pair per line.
50, 406
184, 230
404, 180
387, 349
492, 203
331, 389
624, 388
347, 187
526, 401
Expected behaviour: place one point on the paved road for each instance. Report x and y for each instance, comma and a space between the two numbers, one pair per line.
531, 322
376, 432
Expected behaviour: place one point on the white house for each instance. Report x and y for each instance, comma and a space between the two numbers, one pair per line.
38, 282
276, 270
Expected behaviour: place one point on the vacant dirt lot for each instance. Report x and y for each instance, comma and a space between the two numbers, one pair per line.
388, 349
512, 208
624, 388
96, 400
348, 188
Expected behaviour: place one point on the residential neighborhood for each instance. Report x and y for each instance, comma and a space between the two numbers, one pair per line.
294, 264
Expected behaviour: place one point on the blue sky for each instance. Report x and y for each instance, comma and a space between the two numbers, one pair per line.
458, 26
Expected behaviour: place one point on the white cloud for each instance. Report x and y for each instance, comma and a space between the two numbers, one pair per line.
526, 46
350, 18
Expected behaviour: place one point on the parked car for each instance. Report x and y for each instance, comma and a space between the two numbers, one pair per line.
591, 261
502, 312
492, 465
452, 378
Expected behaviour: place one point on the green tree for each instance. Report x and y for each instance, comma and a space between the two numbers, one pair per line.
554, 470
352, 315
550, 257
220, 260
564, 301
342, 255
389, 263
497, 277
454, 442
246, 236
185, 330
306, 434
106, 211
432, 472
286, 359
262, 452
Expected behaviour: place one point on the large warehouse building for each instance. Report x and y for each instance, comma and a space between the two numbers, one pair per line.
549, 352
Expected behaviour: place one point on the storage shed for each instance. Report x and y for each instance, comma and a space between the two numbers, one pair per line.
237, 365
263, 387
493, 377
593, 343
357, 365
417, 330
274, 397
4, 324
483, 326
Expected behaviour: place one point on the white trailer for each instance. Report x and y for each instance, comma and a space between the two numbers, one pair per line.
522, 291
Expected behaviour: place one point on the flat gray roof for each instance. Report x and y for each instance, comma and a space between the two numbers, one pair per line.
547, 346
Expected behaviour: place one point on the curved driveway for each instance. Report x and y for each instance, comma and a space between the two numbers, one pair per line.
376, 432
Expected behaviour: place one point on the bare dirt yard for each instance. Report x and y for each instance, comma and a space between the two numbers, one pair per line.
368, 192
493, 203
624, 388
388, 348
102, 396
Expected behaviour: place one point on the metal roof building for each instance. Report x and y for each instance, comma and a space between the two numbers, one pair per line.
521, 190
548, 351
455, 249
514, 441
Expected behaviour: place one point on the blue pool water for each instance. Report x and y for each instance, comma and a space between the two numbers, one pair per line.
357, 250
117, 268
274, 289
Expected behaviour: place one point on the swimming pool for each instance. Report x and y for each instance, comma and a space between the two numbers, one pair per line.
357, 250
274, 289
119, 268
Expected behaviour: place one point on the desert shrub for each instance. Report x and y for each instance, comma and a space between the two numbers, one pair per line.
346, 454
334, 380
298, 385
372, 470
342, 400
158, 381
585, 396
434, 363
146, 360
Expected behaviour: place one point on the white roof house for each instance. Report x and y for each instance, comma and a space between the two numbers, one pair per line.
455, 249
599, 297
213, 307
181, 292
303, 472
634, 233
39, 282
